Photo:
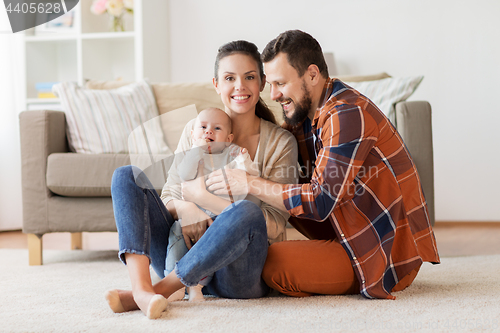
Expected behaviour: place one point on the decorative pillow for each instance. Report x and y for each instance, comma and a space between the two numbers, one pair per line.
177, 103
122, 120
361, 78
387, 92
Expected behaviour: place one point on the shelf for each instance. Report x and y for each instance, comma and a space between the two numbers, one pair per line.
42, 101
53, 36
50, 36
108, 35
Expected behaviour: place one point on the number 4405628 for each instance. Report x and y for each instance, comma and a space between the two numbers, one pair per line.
33, 8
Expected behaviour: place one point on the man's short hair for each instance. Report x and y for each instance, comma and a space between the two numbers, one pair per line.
302, 50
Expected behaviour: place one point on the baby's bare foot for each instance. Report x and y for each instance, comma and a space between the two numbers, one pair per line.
195, 294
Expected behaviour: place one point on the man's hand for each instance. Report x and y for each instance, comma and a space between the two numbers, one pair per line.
232, 181
240, 182
194, 222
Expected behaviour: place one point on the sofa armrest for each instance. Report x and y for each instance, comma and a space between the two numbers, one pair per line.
414, 123
42, 133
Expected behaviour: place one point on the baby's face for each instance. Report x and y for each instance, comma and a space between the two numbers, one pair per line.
212, 125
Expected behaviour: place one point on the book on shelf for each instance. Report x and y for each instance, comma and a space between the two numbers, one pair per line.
44, 89
46, 95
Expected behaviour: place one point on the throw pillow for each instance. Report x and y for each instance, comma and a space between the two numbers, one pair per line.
387, 92
122, 120
361, 78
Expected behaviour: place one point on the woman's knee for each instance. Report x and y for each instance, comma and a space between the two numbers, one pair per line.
126, 175
248, 210
121, 173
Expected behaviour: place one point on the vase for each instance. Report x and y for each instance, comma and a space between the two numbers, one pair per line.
116, 23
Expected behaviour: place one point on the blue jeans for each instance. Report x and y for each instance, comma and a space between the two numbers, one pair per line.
177, 249
233, 249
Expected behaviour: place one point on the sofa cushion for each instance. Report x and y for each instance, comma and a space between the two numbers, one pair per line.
385, 93
119, 120
83, 175
89, 175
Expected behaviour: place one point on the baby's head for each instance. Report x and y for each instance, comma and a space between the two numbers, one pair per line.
212, 125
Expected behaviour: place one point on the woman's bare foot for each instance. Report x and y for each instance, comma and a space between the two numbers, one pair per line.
151, 304
120, 300
156, 306
114, 302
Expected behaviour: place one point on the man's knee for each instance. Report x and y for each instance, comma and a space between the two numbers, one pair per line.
278, 272
271, 267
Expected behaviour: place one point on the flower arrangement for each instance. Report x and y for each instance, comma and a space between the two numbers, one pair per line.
115, 8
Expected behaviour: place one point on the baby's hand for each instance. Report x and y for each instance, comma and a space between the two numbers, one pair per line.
202, 143
236, 151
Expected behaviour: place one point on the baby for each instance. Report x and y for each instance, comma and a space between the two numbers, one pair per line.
211, 137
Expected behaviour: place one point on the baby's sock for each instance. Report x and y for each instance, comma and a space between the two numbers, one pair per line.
195, 294
177, 296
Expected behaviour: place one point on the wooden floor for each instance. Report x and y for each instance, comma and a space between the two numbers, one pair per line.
453, 239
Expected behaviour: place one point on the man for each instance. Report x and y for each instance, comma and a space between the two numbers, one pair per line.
360, 203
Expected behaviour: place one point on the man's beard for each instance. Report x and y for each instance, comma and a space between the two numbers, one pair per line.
301, 110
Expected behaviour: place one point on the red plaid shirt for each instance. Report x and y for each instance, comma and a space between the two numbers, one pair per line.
363, 181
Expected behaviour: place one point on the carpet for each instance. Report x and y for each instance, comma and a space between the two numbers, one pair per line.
66, 295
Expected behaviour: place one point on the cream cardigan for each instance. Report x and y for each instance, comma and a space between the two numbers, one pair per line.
276, 158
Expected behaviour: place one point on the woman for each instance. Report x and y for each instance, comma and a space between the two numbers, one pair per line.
234, 248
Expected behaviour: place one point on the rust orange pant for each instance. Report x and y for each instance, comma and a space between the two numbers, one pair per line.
308, 267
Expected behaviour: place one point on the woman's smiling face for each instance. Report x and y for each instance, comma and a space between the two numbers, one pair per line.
239, 83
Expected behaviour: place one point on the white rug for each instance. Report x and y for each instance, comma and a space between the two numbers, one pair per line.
66, 295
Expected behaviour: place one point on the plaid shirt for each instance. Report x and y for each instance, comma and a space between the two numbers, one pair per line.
363, 181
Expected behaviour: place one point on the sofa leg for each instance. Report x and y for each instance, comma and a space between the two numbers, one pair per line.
35, 249
76, 241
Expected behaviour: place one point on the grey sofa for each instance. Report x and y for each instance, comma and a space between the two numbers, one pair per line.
68, 192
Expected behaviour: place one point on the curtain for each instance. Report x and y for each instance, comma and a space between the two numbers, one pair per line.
11, 69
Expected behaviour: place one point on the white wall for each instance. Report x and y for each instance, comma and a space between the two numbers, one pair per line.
454, 44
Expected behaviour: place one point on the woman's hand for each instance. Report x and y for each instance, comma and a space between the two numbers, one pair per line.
194, 221
194, 190
228, 181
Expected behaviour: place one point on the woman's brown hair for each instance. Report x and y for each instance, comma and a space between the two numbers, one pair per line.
249, 49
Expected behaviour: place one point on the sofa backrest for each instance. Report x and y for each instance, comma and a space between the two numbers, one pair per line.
174, 96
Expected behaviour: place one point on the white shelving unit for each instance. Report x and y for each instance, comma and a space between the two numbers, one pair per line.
90, 51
